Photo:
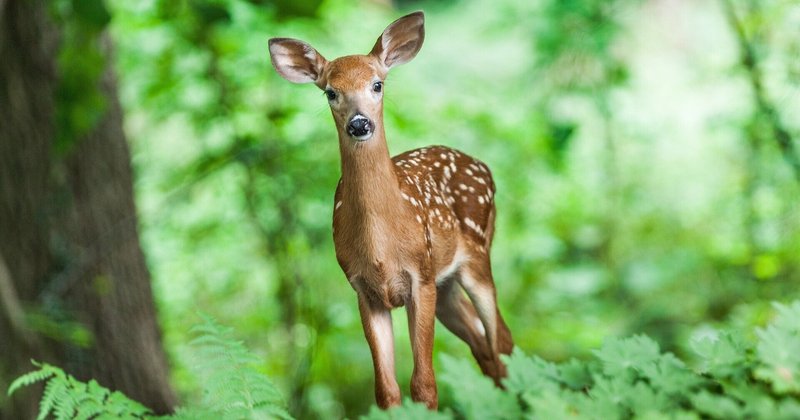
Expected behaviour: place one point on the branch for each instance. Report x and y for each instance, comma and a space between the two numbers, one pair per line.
765, 108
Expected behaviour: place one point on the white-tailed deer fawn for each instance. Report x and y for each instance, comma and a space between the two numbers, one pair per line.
410, 230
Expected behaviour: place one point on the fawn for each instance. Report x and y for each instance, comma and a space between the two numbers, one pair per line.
411, 230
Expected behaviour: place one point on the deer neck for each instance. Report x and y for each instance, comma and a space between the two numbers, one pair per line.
370, 186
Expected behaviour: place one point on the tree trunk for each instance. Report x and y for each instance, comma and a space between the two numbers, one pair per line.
69, 246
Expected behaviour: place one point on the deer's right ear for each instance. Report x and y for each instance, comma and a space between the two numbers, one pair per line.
296, 61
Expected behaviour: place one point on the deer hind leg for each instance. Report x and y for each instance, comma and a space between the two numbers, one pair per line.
476, 279
458, 314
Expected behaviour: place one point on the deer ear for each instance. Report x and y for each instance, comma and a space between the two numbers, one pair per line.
295, 60
401, 40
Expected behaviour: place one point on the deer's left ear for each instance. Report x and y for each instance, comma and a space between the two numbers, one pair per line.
400, 41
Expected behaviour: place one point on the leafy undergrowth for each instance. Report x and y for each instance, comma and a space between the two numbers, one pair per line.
632, 378
628, 378
232, 387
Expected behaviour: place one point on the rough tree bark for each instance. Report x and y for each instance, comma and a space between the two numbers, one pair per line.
69, 245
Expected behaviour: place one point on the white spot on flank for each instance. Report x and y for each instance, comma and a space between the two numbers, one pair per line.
437, 164
469, 172
474, 226
453, 167
339, 204
419, 219
480, 200
462, 186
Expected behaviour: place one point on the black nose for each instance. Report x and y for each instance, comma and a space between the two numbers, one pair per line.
359, 126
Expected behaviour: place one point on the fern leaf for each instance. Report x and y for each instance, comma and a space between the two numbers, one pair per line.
44, 372
233, 385
54, 392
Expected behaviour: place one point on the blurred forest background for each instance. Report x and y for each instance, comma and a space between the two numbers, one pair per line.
154, 166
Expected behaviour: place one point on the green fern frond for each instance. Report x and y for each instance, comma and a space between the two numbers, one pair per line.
233, 385
45, 371
65, 397
54, 390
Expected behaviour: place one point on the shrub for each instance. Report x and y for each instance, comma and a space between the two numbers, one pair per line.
628, 378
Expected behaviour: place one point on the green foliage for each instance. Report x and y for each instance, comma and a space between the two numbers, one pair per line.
633, 378
407, 410
233, 387
474, 395
65, 397
778, 351
629, 378
80, 101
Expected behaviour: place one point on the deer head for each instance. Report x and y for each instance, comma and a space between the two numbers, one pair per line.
353, 84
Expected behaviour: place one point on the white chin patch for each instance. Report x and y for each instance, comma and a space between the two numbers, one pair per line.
365, 137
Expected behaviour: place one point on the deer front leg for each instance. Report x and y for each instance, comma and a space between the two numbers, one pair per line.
377, 322
421, 315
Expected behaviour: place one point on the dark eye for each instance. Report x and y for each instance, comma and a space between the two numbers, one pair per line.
330, 94
377, 86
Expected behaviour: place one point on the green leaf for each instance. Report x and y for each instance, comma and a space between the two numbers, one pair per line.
716, 406
722, 356
549, 405
621, 355
407, 410
529, 374
475, 395
669, 375
92, 12
575, 374
778, 350
31, 377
